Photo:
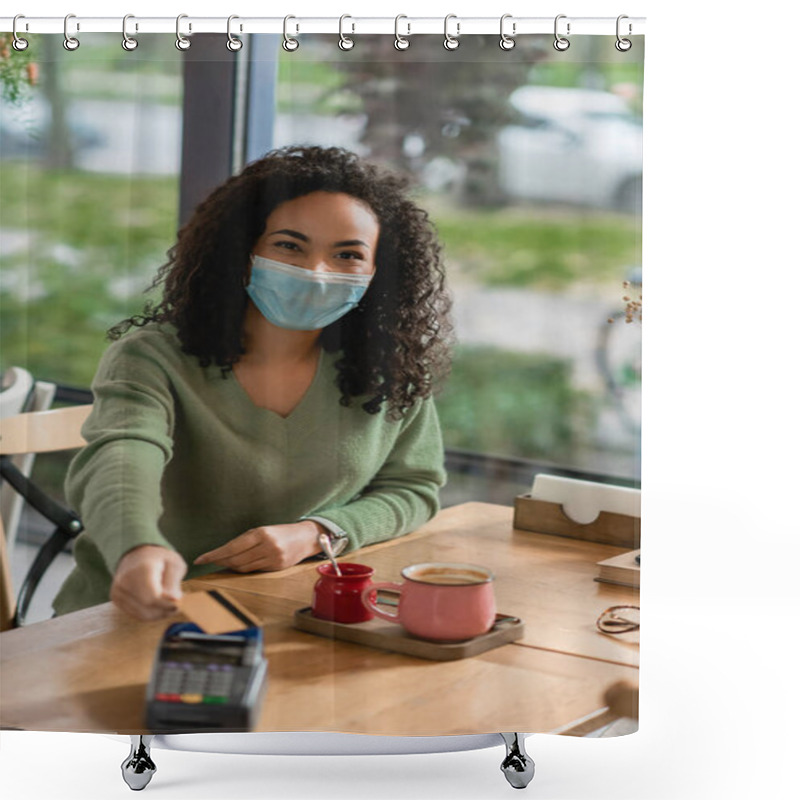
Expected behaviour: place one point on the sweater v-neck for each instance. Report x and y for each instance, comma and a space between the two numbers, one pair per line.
299, 409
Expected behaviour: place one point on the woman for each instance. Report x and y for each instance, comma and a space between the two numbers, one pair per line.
281, 389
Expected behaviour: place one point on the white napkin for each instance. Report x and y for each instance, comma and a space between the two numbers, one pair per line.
582, 501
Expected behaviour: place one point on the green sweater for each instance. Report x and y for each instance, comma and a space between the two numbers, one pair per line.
178, 455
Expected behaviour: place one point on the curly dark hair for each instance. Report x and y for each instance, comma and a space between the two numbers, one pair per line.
395, 344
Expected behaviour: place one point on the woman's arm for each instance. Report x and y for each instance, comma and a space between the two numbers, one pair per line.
115, 481
404, 493
401, 497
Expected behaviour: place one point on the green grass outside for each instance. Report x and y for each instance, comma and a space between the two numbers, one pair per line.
130, 219
530, 247
513, 404
95, 242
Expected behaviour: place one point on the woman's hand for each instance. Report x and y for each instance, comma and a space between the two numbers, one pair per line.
147, 582
267, 548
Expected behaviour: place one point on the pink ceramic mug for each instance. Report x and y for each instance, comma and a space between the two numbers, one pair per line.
440, 601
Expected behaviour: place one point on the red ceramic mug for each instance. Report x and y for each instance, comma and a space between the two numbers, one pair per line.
440, 601
338, 598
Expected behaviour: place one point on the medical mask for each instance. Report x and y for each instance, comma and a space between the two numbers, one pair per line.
300, 299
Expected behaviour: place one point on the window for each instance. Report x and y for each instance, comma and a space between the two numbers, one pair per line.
540, 230
90, 160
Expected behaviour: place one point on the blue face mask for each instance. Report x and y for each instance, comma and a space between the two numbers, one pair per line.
302, 300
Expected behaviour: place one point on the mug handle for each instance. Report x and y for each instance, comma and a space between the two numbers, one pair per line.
368, 604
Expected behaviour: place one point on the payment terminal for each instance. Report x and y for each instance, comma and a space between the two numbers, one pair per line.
205, 682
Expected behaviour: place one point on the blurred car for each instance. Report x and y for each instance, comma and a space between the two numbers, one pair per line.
577, 146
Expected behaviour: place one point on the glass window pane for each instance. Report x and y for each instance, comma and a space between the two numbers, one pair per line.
89, 163
530, 166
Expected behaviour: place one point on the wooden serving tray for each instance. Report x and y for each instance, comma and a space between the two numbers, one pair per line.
390, 636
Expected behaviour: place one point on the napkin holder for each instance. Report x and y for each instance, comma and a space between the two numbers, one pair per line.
545, 515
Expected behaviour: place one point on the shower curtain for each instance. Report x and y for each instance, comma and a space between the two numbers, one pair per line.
526, 153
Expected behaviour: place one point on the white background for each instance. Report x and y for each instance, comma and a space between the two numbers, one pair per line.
719, 687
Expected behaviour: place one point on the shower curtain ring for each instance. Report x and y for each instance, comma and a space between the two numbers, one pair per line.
561, 43
401, 42
345, 42
233, 44
70, 42
19, 44
128, 42
623, 45
507, 42
451, 41
290, 44
181, 42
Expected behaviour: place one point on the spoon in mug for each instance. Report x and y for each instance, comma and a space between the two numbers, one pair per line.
325, 543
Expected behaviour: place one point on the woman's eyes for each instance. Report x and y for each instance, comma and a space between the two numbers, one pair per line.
346, 255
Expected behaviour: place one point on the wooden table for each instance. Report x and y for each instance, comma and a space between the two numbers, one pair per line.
548, 581
87, 671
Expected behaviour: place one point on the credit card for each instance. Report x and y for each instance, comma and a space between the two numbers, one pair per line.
215, 611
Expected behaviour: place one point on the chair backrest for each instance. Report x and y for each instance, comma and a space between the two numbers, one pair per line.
43, 431
34, 432
20, 392
16, 388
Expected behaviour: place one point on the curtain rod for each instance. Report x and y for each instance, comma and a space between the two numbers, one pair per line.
405, 26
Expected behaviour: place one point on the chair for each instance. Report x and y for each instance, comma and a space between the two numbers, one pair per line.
20, 392
16, 386
25, 434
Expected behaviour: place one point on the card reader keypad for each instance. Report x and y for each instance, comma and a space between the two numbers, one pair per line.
194, 683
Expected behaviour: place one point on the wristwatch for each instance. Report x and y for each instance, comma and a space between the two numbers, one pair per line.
336, 536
